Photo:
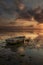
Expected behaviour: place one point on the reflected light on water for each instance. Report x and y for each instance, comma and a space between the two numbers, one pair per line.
15, 34
21, 50
38, 45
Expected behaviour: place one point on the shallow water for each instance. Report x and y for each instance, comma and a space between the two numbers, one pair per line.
12, 55
25, 57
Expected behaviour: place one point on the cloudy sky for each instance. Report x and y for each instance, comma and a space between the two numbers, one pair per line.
9, 8
15, 13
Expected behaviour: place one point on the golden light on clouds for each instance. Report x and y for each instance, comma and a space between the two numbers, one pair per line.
41, 28
23, 22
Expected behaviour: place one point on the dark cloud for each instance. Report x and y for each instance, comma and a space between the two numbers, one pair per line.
38, 14
10, 9
7, 6
10, 6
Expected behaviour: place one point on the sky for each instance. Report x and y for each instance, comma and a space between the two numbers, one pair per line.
9, 8
15, 13
34, 3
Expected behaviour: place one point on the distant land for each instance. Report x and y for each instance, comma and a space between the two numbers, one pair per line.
20, 29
